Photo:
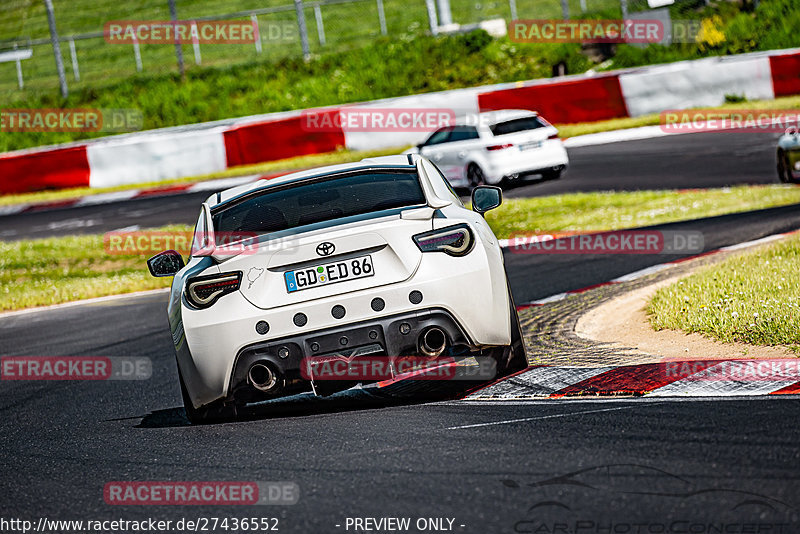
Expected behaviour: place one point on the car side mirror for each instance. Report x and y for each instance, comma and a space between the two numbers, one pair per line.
485, 198
166, 263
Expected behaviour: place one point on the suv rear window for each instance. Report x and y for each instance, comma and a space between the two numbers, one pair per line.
517, 125
322, 200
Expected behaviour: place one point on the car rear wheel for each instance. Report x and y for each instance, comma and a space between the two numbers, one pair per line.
785, 173
513, 358
475, 176
216, 412
552, 174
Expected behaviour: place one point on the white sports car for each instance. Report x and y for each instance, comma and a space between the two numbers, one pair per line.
378, 257
503, 145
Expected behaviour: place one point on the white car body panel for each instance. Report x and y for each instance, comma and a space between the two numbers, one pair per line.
530, 150
471, 288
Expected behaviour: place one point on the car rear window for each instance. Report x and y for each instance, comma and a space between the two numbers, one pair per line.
321, 200
517, 125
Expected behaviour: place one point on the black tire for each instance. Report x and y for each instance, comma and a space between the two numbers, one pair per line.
475, 176
513, 357
782, 167
785, 173
552, 174
216, 412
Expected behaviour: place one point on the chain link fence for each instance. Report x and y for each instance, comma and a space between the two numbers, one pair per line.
285, 29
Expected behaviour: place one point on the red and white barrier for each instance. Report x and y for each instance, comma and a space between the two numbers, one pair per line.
150, 158
46, 168
694, 84
204, 148
580, 99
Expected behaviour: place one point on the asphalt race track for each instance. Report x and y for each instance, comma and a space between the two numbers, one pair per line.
584, 466
675, 162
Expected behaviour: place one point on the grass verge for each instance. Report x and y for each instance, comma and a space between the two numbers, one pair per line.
62, 269
618, 210
750, 298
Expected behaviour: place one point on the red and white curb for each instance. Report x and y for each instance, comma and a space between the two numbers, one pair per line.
700, 378
648, 270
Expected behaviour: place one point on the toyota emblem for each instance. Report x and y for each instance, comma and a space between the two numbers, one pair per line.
325, 249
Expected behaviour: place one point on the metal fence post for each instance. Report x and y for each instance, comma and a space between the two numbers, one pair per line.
137, 55
75, 70
173, 14
623, 4
583, 6
256, 31
432, 18
565, 9
301, 24
196, 44
320, 24
382, 17
512, 4
445, 14
51, 21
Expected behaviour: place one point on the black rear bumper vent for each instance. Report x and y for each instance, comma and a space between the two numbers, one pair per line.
300, 319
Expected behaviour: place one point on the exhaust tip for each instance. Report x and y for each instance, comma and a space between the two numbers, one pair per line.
262, 377
432, 342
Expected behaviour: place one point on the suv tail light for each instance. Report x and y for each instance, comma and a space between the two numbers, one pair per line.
454, 240
492, 148
204, 291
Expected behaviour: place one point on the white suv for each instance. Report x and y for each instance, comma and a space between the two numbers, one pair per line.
508, 144
375, 258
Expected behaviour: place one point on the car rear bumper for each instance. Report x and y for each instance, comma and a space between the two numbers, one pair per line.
397, 335
471, 290
512, 161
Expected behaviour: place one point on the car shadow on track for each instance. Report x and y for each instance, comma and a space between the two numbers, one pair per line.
401, 394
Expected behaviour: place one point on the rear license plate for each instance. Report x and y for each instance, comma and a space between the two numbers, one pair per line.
329, 273
530, 145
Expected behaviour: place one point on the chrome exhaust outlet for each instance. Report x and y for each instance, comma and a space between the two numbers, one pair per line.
262, 377
432, 342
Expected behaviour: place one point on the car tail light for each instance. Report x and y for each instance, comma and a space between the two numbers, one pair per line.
454, 240
492, 148
204, 291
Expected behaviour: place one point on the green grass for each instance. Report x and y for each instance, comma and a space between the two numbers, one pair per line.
62, 269
347, 26
751, 298
618, 210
